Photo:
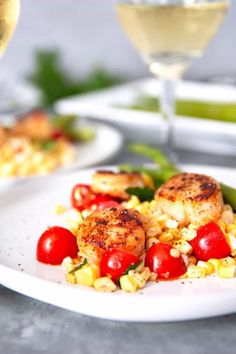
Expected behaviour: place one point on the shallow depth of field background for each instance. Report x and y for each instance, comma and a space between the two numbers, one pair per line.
88, 33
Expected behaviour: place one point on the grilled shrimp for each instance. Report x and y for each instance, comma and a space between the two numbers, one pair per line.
111, 228
190, 198
115, 183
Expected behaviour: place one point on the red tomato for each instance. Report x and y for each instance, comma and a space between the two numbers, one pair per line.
210, 242
115, 262
82, 196
105, 202
160, 261
55, 244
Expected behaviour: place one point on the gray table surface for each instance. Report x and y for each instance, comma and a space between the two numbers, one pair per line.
30, 326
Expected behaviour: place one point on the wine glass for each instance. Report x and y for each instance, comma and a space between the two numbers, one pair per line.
9, 14
169, 35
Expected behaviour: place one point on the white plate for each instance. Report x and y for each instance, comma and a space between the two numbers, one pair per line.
192, 133
26, 210
107, 143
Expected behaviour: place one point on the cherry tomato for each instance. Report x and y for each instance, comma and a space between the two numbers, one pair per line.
82, 196
55, 244
210, 242
115, 262
105, 202
161, 259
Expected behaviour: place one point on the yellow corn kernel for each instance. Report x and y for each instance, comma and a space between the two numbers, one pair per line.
70, 278
215, 262
67, 265
226, 271
231, 228
228, 261
128, 283
153, 231
138, 278
188, 234
132, 202
171, 224
151, 241
231, 239
153, 276
183, 246
104, 284
227, 217
196, 272
59, 209
165, 237
146, 273
87, 274
207, 266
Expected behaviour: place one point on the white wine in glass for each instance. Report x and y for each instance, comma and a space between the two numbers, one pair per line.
169, 35
9, 14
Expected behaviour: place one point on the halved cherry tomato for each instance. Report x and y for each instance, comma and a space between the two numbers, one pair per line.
82, 196
55, 244
115, 262
161, 259
210, 242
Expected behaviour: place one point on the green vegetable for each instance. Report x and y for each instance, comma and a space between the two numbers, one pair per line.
132, 267
67, 124
163, 174
78, 267
48, 144
142, 193
54, 82
225, 112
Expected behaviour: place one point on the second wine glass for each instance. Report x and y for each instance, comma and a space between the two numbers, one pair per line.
170, 34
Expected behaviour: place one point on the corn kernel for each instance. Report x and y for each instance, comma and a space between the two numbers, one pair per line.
87, 274
146, 273
153, 231
165, 237
228, 261
227, 217
148, 181
215, 262
231, 239
171, 224
207, 266
226, 271
151, 241
59, 209
192, 260
183, 246
128, 283
174, 253
188, 234
70, 278
67, 265
138, 278
196, 272
104, 284
153, 276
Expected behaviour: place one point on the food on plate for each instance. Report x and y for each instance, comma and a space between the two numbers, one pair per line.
185, 231
115, 184
190, 198
37, 144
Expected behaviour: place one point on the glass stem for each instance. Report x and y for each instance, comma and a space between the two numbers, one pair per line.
167, 108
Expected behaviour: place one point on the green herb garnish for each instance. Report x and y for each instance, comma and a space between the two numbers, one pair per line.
132, 267
143, 193
54, 82
78, 267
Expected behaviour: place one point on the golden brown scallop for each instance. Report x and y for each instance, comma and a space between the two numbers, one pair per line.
111, 228
115, 183
190, 198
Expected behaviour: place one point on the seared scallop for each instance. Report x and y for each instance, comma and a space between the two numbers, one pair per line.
115, 183
111, 228
190, 198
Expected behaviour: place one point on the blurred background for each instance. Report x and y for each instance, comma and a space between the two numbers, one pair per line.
88, 34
